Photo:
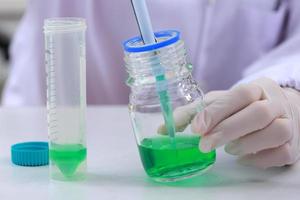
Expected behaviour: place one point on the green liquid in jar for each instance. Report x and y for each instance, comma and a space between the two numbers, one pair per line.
165, 162
67, 157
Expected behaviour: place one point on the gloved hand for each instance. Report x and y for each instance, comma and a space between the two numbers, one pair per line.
259, 122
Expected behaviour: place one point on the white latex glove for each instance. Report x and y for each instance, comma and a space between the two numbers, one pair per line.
259, 122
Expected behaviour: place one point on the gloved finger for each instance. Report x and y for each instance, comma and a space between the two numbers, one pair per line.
275, 157
222, 107
254, 117
211, 96
183, 116
276, 134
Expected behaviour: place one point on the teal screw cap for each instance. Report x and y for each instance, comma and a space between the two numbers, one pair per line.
30, 154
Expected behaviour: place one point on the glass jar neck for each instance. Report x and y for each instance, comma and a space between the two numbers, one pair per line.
144, 68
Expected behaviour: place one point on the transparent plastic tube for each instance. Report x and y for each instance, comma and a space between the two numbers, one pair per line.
66, 96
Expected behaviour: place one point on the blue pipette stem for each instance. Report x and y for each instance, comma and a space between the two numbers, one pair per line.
146, 30
144, 22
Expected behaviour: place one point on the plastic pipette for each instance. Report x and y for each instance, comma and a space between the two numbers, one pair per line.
146, 31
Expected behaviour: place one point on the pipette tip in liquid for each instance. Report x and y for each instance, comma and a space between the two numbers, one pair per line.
147, 33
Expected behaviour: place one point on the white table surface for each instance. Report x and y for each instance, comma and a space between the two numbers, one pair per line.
115, 171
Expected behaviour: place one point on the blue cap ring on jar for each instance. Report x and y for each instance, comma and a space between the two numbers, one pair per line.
165, 38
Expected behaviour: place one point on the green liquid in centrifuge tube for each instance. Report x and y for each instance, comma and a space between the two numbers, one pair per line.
67, 157
164, 162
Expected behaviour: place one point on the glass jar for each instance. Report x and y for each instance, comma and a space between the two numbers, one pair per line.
164, 158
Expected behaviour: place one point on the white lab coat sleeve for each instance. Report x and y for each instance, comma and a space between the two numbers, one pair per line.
26, 84
282, 64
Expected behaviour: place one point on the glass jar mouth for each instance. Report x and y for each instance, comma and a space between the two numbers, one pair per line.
164, 38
